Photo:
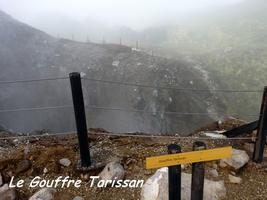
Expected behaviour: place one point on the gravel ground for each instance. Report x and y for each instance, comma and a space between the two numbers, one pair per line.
131, 152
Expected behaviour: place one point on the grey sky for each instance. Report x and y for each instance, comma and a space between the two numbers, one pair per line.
133, 13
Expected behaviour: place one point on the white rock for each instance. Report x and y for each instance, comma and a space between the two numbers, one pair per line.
15, 141
222, 164
156, 187
233, 173
78, 198
7, 193
135, 49
214, 134
83, 74
45, 170
4, 188
214, 172
1, 180
65, 162
115, 63
44, 194
238, 159
184, 166
234, 179
112, 171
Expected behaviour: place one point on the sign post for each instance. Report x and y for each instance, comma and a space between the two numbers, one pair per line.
188, 157
258, 153
174, 159
78, 103
174, 174
198, 173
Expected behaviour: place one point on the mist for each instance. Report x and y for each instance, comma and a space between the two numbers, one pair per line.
135, 14
193, 44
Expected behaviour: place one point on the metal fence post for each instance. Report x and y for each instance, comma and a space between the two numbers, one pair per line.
198, 172
78, 103
258, 153
174, 175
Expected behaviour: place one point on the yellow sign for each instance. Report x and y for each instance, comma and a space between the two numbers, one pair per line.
188, 157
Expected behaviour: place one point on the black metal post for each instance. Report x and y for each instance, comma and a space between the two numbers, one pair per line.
258, 153
78, 103
174, 175
198, 173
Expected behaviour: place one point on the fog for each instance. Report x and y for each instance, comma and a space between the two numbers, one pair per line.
204, 44
136, 14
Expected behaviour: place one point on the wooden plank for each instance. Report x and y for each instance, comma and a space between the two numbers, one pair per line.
246, 128
188, 157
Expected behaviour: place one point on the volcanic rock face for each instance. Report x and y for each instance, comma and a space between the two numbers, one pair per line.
26, 53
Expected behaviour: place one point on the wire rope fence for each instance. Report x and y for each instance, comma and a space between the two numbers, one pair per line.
123, 109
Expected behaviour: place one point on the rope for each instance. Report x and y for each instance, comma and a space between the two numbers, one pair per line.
126, 110
33, 80
125, 135
168, 112
37, 108
37, 135
120, 109
173, 88
173, 137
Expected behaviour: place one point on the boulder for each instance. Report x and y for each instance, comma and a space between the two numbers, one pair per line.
112, 171
44, 194
7, 193
65, 162
234, 179
237, 161
156, 187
